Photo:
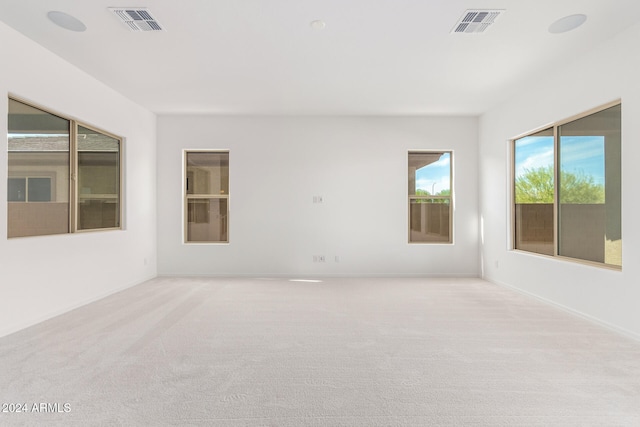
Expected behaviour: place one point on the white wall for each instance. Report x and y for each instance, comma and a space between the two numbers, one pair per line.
278, 164
608, 72
44, 276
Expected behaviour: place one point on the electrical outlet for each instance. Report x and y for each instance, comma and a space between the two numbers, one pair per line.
318, 258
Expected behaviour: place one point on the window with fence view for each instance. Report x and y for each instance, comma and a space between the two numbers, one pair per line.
430, 210
567, 189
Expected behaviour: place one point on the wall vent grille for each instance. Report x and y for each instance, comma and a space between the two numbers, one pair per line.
137, 19
476, 21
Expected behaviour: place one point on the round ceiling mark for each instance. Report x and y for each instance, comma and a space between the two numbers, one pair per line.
318, 24
66, 21
567, 23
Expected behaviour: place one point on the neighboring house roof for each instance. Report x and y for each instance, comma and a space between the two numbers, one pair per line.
60, 143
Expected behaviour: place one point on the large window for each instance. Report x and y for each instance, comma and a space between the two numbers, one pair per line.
207, 196
63, 177
430, 210
567, 189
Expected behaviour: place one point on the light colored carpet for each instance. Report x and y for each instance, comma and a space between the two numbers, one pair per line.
343, 352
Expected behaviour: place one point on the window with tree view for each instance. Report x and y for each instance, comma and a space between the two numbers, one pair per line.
567, 189
430, 219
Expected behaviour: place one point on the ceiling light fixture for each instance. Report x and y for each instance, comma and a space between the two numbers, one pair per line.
66, 21
318, 24
567, 23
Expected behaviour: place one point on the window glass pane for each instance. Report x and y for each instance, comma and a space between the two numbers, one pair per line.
39, 189
534, 192
98, 180
17, 190
207, 173
430, 197
207, 220
429, 220
38, 153
430, 174
589, 215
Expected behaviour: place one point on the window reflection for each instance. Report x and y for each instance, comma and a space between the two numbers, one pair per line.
207, 192
98, 180
589, 212
38, 178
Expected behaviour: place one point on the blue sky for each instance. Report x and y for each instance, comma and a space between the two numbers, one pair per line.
578, 154
435, 176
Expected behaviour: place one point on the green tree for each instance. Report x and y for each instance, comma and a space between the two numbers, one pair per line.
580, 188
536, 186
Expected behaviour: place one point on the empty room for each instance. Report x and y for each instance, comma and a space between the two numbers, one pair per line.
320, 213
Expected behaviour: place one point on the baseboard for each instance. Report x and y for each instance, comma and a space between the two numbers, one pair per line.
614, 328
20, 326
326, 276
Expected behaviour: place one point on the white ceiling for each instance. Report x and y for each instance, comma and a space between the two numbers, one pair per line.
379, 57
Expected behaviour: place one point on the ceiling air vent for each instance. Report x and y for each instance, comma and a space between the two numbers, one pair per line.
137, 18
476, 21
